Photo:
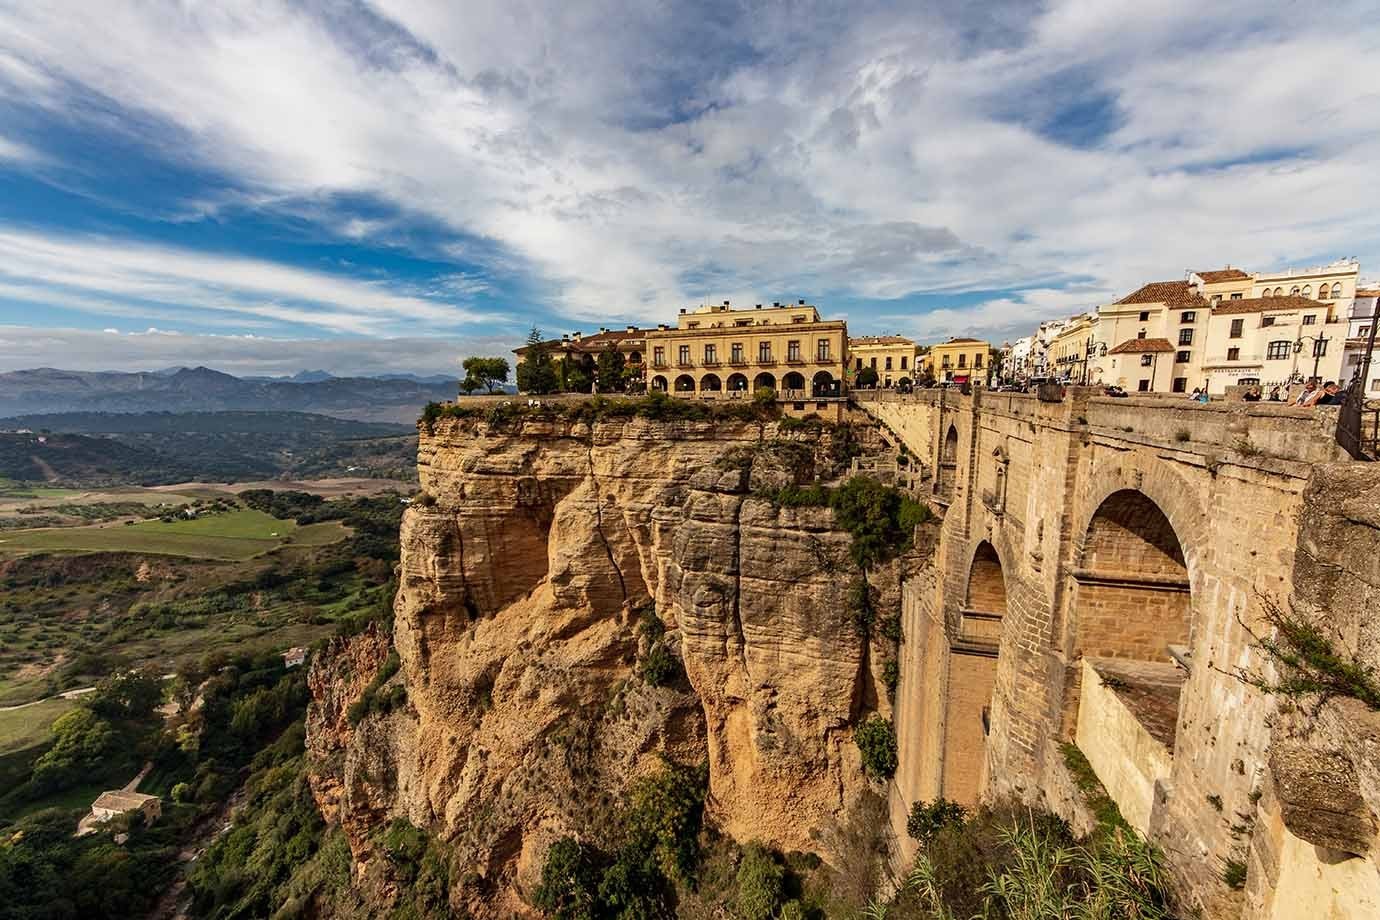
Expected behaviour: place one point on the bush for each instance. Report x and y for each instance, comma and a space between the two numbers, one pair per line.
659, 667
761, 884
881, 520
891, 676
876, 740
569, 888
375, 698
927, 819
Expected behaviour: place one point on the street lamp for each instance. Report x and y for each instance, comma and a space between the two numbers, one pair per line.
1319, 346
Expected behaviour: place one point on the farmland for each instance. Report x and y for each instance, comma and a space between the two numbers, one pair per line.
236, 535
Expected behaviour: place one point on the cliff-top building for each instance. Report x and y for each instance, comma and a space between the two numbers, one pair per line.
893, 357
718, 352
960, 360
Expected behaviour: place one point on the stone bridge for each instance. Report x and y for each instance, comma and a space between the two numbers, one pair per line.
1099, 563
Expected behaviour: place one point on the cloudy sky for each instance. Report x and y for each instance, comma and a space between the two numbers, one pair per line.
373, 185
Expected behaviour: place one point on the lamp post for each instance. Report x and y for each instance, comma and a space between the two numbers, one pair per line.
1319, 346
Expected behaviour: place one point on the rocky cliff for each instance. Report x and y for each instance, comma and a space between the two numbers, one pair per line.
528, 568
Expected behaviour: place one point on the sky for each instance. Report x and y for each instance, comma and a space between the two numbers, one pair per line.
369, 186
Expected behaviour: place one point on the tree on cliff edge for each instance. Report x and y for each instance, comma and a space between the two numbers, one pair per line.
483, 372
535, 373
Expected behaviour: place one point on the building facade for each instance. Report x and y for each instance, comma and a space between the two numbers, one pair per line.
578, 352
1361, 318
960, 360
891, 356
717, 352
1073, 344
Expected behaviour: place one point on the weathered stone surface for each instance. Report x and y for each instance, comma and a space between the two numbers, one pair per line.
1319, 798
522, 583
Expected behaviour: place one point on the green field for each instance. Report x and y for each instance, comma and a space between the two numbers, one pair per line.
234, 536
26, 727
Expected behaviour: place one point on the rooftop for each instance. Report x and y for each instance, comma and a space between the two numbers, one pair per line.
1223, 274
880, 340
1264, 304
120, 800
1141, 346
1173, 294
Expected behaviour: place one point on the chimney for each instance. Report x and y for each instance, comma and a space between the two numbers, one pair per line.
759, 306
725, 303
802, 303
662, 326
632, 328
565, 337
776, 303
682, 309
577, 336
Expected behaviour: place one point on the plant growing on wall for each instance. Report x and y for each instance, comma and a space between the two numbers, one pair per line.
876, 740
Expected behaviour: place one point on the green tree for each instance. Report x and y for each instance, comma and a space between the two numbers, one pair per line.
610, 370
867, 377
761, 884
536, 373
569, 881
483, 372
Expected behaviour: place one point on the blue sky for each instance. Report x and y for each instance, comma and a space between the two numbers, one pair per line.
265, 186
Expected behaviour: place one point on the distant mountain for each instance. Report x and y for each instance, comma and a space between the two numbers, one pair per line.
201, 389
432, 378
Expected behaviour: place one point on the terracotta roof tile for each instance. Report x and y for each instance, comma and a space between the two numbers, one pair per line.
1265, 304
1141, 346
1367, 292
1173, 294
1225, 274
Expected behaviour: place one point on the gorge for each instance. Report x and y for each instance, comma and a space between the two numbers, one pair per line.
1085, 586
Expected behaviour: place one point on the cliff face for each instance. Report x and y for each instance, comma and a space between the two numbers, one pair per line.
516, 624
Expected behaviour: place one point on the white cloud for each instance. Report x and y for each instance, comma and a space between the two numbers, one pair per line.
106, 276
865, 150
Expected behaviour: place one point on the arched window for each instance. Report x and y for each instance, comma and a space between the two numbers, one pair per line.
1336, 289
1279, 292
737, 383
764, 382
685, 384
1307, 290
710, 383
1295, 290
1267, 293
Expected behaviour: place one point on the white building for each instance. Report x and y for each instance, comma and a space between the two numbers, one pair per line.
1360, 319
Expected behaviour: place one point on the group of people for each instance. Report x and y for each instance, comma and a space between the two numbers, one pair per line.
1311, 393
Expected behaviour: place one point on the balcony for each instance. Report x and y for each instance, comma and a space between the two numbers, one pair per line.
1239, 360
710, 362
792, 395
822, 357
768, 361
686, 365
737, 361
795, 359
660, 365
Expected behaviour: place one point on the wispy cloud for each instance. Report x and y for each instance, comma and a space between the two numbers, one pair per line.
97, 274
627, 159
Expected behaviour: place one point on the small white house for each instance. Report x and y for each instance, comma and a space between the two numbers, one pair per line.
294, 657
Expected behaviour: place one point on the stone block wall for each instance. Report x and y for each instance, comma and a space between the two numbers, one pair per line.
1228, 483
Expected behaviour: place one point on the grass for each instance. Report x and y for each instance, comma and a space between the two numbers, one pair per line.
234, 536
30, 726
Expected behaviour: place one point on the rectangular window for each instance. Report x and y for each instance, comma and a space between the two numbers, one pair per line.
873, 363
858, 365
888, 363
1180, 384
1267, 321
1141, 334
1144, 386
1188, 316
1319, 348
1185, 336
1277, 351
822, 350
1237, 326
693, 324
903, 362
1216, 298
793, 350
1364, 332
658, 356
977, 360
685, 354
962, 360
742, 322
1233, 354
735, 352
764, 352
1236, 297
1182, 357
711, 354
1144, 316
1146, 360
797, 319
1310, 319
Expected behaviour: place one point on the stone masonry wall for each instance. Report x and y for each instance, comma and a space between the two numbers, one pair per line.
1229, 482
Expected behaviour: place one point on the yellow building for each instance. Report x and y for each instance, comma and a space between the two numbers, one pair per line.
893, 357
960, 361
1068, 353
717, 352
